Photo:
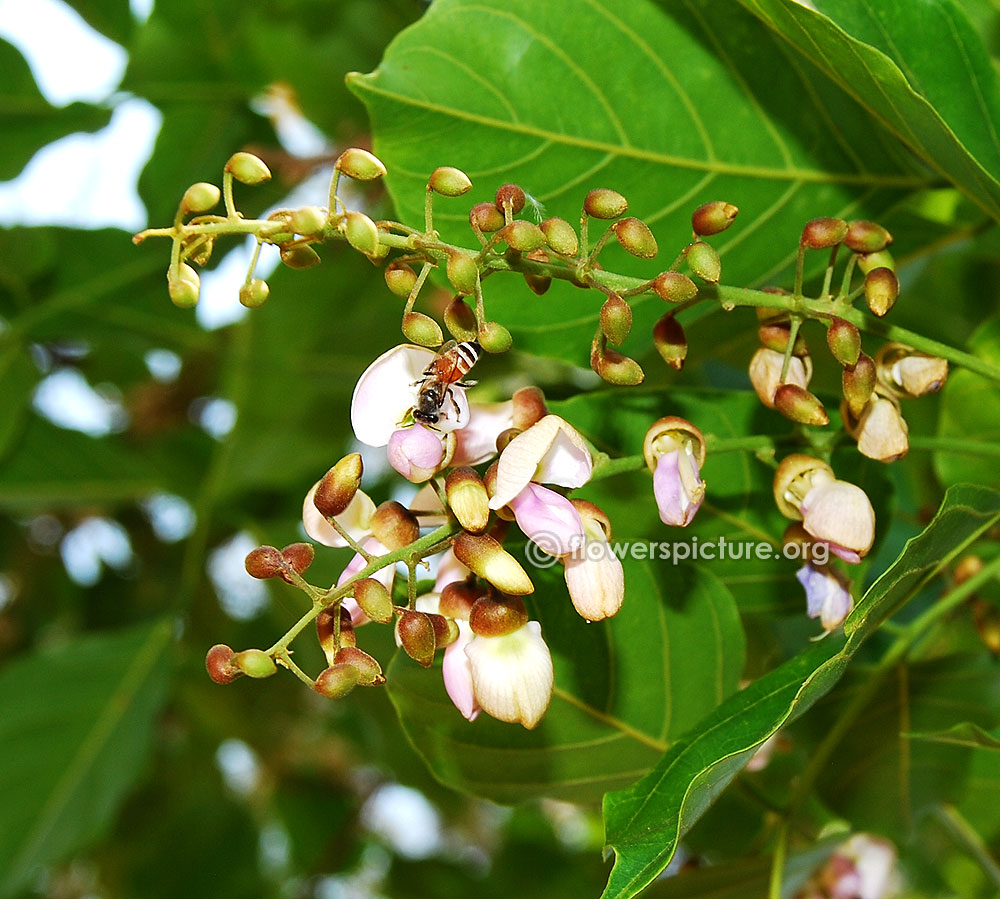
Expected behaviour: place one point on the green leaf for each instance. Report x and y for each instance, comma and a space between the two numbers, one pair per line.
660, 103
645, 821
945, 104
625, 688
75, 726
29, 121
963, 734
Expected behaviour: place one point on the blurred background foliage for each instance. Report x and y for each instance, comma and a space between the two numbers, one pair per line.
124, 772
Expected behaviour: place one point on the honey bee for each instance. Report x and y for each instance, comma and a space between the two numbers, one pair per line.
446, 370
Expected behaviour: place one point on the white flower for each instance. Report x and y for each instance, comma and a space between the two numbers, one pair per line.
594, 575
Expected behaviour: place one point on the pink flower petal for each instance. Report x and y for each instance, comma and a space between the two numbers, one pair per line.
548, 519
457, 673
416, 453
678, 488
477, 441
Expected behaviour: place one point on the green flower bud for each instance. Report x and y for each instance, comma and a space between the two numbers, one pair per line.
868, 262
299, 256
463, 272
416, 635
247, 168
308, 220
255, 663
509, 197
616, 319
394, 526
200, 197
859, 384
460, 320
844, 342
617, 369
713, 218
369, 670
635, 237
336, 681
560, 236
400, 279
823, 233
603, 203
675, 287
538, 284
374, 600
800, 405
254, 294
484, 556
486, 217
361, 232
494, 337
449, 181
704, 261
422, 329
523, 236
184, 289
497, 616
881, 290
220, 665
467, 499
359, 164
866, 237
671, 344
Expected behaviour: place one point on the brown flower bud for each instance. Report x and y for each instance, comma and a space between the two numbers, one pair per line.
264, 562
775, 336
603, 203
635, 237
326, 633
529, 407
336, 681
298, 557
844, 342
359, 164
449, 181
460, 320
467, 499
247, 168
866, 237
560, 236
616, 368
523, 236
373, 599
704, 261
393, 526
339, 485
859, 384
415, 633
486, 557
497, 616
486, 218
800, 405
713, 218
254, 663
494, 337
675, 287
881, 290
369, 670
616, 319
463, 272
220, 665
422, 329
445, 630
538, 284
509, 197
299, 256
671, 344
457, 599
823, 233
400, 279
199, 198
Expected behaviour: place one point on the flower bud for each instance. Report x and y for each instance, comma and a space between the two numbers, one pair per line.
422, 329
800, 405
509, 197
264, 562
560, 236
616, 319
494, 337
299, 257
326, 634
881, 290
486, 218
458, 598
359, 164
400, 279
880, 430
765, 373
523, 236
487, 558
538, 284
713, 218
497, 616
393, 526
336, 681
418, 452
298, 557
908, 372
859, 384
463, 272
219, 662
254, 294
616, 368
793, 480
529, 407
635, 237
460, 320
369, 670
671, 344
445, 630
844, 342
605, 204
335, 492
823, 233
199, 197
416, 635
868, 262
467, 499
308, 220
374, 600
704, 261
248, 169
866, 237
674, 450
184, 289
255, 663
361, 232
449, 181
675, 287
775, 336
